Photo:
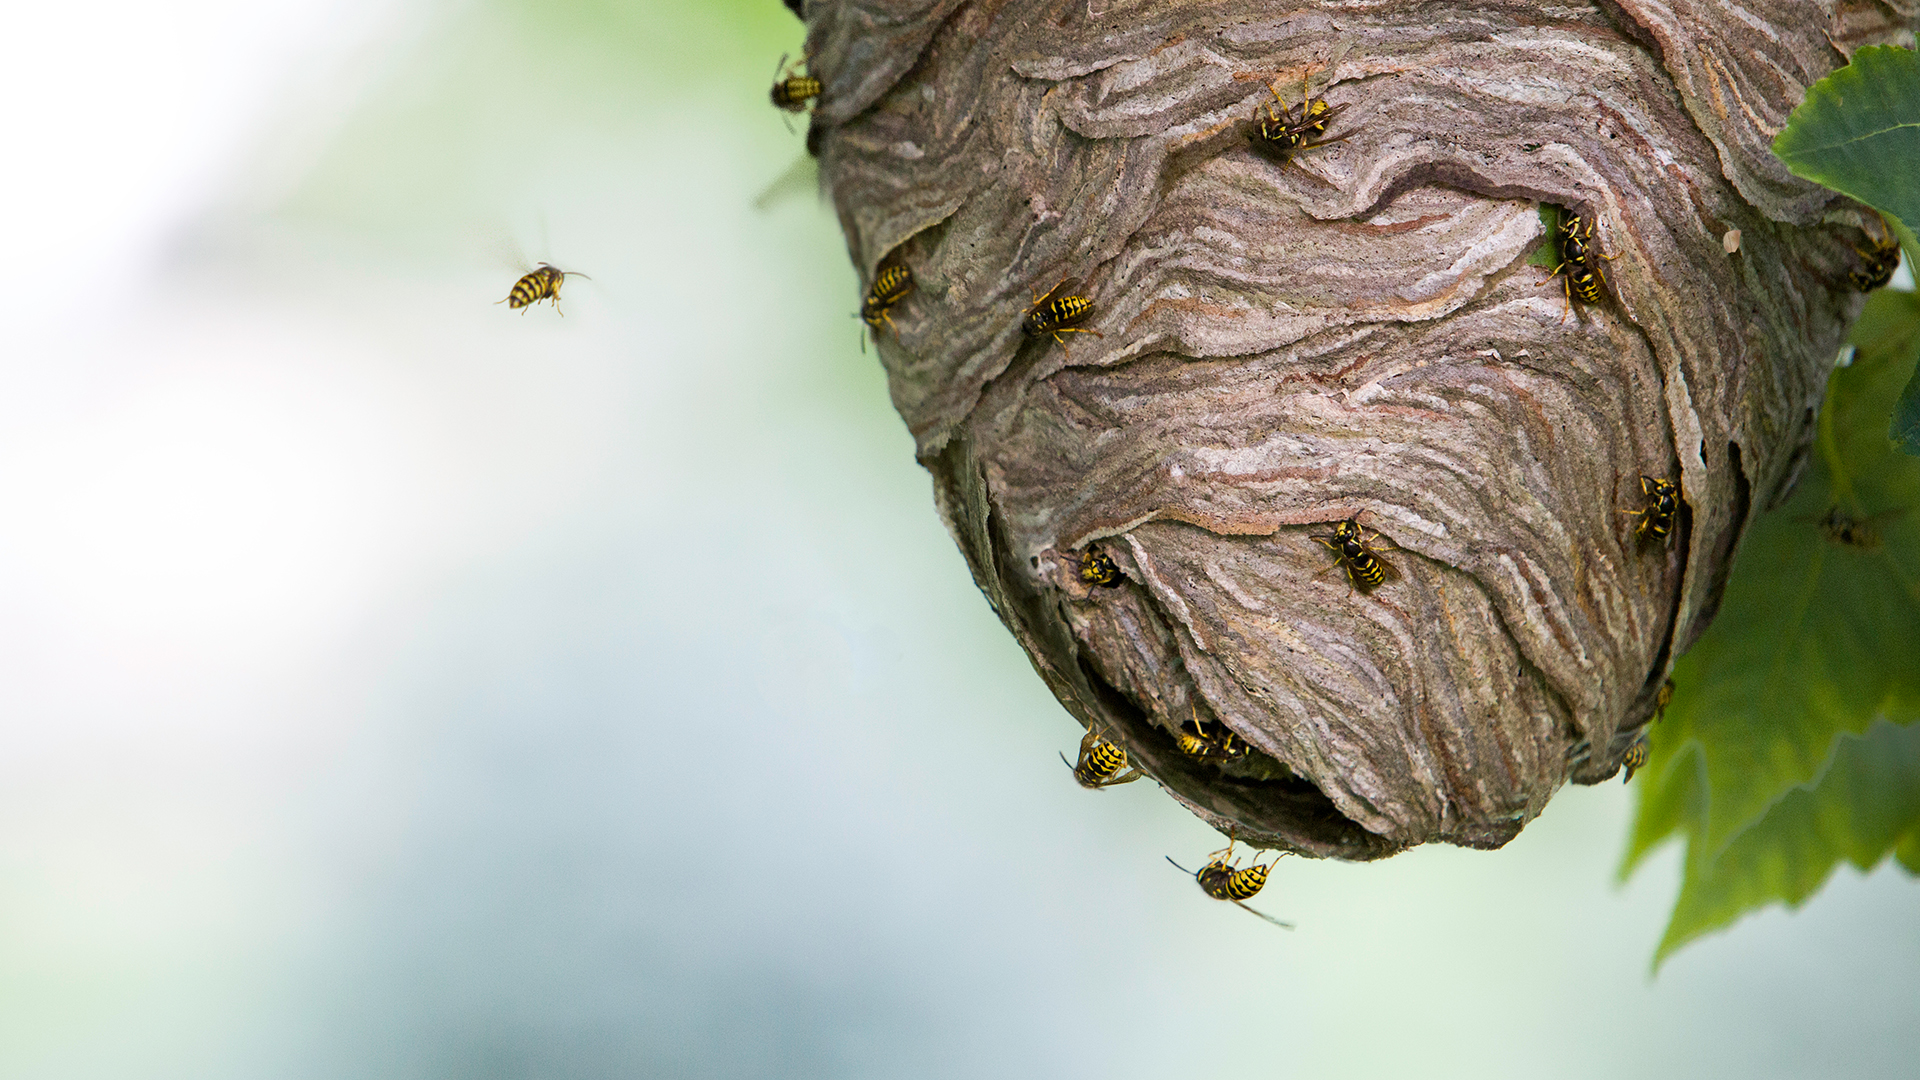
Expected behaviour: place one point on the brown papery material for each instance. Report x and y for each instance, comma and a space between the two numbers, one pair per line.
1356, 332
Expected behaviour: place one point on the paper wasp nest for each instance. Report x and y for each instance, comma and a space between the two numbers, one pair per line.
1355, 332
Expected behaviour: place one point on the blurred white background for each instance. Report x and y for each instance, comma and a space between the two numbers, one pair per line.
393, 685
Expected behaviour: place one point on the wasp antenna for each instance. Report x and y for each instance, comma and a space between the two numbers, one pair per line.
572, 273
1064, 761
1178, 867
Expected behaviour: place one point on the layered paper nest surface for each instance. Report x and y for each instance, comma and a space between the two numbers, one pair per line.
1356, 332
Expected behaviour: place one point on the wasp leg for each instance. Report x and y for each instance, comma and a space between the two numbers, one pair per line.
1642, 523
1057, 331
1286, 111
1372, 535
1328, 142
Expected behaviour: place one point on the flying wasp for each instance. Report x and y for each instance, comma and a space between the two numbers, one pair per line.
1097, 568
1636, 757
890, 286
1878, 263
1353, 553
791, 92
1054, 314
541, 283
1283, 133
1580, 260
1222, 880
1842, 528
1102, 764
1663, 505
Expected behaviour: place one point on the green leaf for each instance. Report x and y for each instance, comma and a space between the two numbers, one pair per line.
1858, 132
1862, 805
1908, 852
1905, 429
1815, 639
1547, 255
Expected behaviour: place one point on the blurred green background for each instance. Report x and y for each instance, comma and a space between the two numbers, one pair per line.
393, 685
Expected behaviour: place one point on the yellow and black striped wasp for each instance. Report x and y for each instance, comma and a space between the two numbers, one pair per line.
1097, 569
1056, 313
1655, 520
1636, 757
1282, 133
1222, 880
1353, 552
791, 92
890, 286
541, 283
1580, 260
1102, 763
1194, 740
1878, 263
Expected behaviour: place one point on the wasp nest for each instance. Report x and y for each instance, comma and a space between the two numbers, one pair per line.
1293, 336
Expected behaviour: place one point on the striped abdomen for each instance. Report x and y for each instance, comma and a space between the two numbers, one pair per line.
889, 288
1580, 261
1584, 282
1222, 882
1636, 756
538, 285
1101, 763
1058, 312
1197, 743
1349, 546
793, 93
1362, 564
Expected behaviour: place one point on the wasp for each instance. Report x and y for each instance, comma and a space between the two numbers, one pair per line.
1661, 699
1102, 764
539, 284
890, 286
1222, 880
1663, 504
1283, 133
1097, 569
1194, 740
791, 92
1879, 262
1055, 313
1353, 553
1580, 260
1842, 528
1636, 756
